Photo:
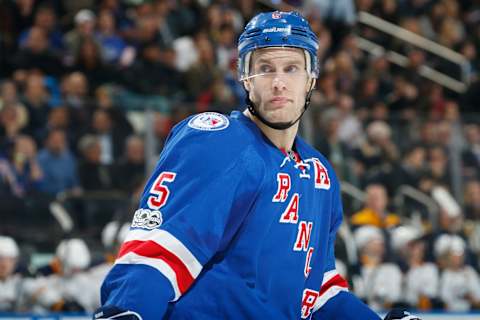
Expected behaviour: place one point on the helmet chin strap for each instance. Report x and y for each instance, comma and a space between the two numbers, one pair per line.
277, 125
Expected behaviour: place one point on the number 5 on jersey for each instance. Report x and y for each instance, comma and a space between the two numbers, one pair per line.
159, 192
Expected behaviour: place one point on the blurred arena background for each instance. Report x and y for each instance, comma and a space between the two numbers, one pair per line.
90, 89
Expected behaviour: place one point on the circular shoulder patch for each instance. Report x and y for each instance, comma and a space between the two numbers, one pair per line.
209, 121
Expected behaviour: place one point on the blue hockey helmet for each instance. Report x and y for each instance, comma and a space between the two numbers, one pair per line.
278, 29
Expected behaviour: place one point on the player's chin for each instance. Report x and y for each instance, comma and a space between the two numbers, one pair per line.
278, 118
286, 114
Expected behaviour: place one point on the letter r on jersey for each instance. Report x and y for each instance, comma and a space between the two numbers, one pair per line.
284, 185
308, 302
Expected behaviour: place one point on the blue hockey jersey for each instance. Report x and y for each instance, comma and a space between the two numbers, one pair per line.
230, 227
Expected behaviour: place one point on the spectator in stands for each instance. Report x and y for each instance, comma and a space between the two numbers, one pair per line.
377, 154
16, 16
469, 51
20, 293
377, 282
36, 99
37, 55
380, 68
154, 72
145, 28
459, 283
76, 92
375, 211
368, 93
421, 277
403, 99
111, 44
69, 281
438, 165
9, 96
416, 59
226, 46
112, 237
12, 121
329, 144
10, 281
88, 60
201, 76
338, 15
84, 29
78, 102
46, 19
411, 168
20, 172
346, 70
472, 213
13, 114
472, 200
130, 169
219, 97
327, 94
93, 174
471, 152
350, 129
111, 137
427, 134
451, 217
105, 101
60, 118
58, 165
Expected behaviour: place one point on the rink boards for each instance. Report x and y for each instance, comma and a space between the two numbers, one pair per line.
57, 316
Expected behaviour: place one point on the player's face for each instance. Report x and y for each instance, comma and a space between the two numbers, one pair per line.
278, 83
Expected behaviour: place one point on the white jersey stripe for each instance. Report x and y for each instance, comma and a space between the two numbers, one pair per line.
327, 276
169, 242
327, 295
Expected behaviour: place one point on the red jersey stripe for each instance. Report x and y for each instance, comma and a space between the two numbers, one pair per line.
337, 280
152, 249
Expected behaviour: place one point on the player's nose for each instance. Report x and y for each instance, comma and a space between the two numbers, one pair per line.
278, 83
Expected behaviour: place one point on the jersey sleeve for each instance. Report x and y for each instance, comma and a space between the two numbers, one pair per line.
201, 191
334, 294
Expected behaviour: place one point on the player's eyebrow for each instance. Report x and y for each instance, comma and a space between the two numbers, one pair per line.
269, 61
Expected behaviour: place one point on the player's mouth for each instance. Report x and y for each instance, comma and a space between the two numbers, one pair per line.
278, 101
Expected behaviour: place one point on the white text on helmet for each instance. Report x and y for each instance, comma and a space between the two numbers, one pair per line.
275, 29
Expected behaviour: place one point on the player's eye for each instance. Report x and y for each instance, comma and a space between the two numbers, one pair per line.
293, 68
265, 68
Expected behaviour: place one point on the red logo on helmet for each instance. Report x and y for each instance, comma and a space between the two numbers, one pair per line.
276, 15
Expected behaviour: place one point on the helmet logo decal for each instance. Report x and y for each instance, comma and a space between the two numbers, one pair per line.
276, 15
287, 29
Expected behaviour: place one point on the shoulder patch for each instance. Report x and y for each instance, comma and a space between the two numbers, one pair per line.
209, 121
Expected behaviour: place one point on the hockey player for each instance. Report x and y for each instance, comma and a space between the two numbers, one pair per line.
238, 220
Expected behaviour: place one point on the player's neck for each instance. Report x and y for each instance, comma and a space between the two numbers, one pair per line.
282, 139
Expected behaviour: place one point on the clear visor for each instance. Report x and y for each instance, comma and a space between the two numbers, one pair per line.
270, 70
287, 76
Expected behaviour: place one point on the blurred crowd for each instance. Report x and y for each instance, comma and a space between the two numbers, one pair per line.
77, 77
